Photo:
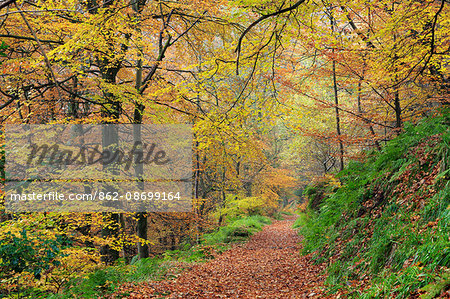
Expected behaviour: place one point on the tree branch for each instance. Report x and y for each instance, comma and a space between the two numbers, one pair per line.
7, 103
359, 33
6, 3
47, 62
262, 18
30, 38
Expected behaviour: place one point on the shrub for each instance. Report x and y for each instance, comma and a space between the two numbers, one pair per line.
316, 192
24, 253
241, 206
237, 230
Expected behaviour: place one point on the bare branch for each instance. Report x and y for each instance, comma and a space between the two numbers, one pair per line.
7, 103
6, 3
30, 38
47, 62
262, 18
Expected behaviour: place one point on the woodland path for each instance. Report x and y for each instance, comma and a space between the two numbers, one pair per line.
269, 265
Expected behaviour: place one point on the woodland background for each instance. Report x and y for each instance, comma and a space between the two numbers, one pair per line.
279, 93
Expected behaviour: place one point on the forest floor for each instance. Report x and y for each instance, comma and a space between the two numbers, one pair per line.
269, 265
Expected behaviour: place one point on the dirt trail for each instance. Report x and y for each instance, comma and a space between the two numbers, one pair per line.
267, 266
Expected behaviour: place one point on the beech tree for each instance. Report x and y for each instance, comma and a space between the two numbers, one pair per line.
276, 92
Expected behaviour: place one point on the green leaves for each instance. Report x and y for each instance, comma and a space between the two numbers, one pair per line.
24, 254
3, 47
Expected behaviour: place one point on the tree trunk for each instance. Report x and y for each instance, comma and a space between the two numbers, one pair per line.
338, 119
142, 223
398, 110
141, 228
111, 227
360, 111
336, 103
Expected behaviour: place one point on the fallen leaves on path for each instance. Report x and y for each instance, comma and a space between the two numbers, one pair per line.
269, 265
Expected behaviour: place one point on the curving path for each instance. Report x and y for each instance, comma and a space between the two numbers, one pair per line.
267, 266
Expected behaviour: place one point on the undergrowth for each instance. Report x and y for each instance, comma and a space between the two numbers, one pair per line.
237, 230
105, 280
385, 230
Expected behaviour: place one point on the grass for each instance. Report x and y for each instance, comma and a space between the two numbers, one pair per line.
389, 221
238, 230
105, 280
300, 221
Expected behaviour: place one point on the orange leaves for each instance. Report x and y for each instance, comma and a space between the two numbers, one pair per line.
268, 266
280, 178
416, 179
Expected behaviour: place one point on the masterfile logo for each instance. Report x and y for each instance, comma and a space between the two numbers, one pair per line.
140, 153
127, 167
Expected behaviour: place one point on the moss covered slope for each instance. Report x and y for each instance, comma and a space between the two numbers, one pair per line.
385, 230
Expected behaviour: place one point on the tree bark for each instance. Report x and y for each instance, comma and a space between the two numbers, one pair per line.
142, 222
336, 103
